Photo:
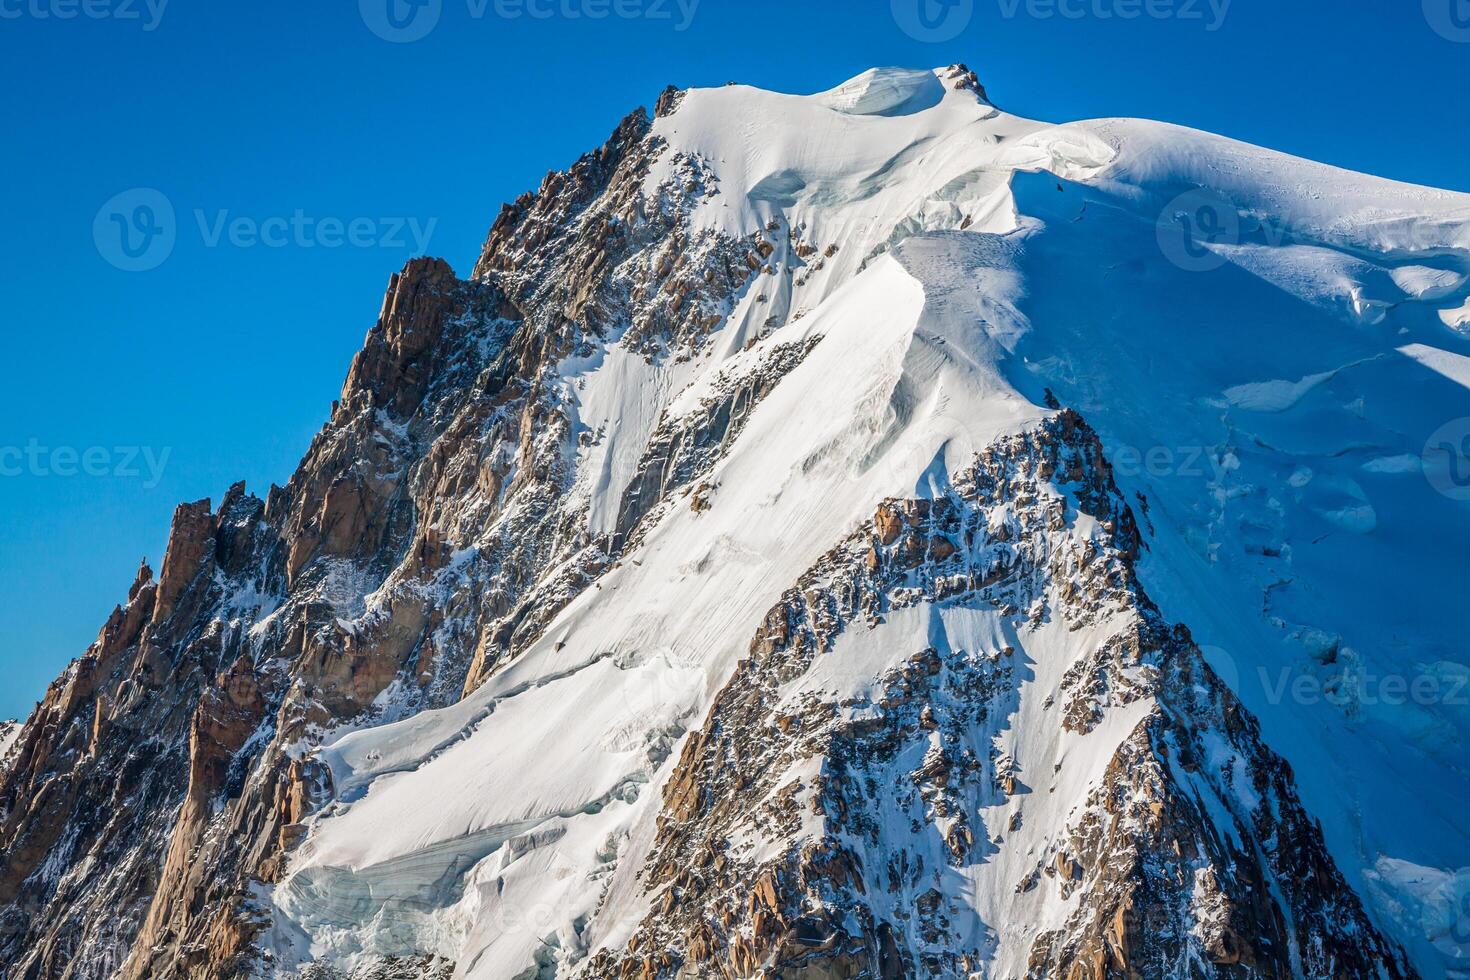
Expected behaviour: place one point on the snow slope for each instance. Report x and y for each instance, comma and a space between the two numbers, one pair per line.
1269, 396
9, 732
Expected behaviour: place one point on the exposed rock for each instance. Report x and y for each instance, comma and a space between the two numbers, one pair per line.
1146, 857
668, 102
190, 555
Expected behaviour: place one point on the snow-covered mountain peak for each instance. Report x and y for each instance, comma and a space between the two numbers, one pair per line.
825, 183
802, 545
886, 92
851, 143
894, 281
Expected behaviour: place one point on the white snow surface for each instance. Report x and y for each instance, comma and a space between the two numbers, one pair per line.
1272, 410
9, 732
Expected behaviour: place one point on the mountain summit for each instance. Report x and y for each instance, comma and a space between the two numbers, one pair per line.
859, 535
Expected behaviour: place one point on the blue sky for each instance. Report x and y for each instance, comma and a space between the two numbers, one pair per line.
305, 157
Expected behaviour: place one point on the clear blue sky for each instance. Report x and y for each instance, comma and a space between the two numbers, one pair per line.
227, 355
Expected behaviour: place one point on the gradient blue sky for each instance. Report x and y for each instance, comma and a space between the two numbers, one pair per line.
227, 356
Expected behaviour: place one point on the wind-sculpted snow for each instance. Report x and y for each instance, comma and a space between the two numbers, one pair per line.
885, 92
722, 579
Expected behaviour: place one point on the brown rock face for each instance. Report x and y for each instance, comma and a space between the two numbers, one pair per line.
397, 360
226, 717
190, 554
158, 760
668, 102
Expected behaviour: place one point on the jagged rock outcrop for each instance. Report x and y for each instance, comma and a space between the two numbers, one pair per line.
158, 777
684, 449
